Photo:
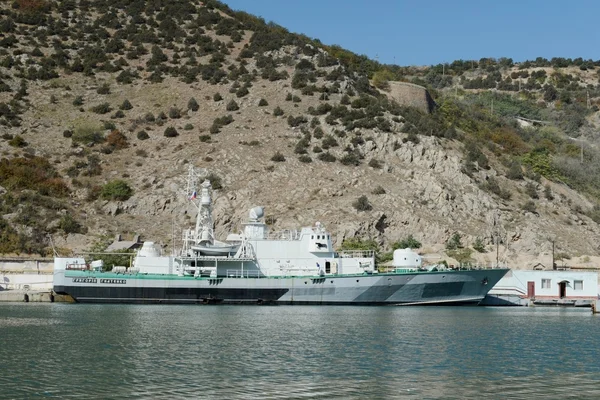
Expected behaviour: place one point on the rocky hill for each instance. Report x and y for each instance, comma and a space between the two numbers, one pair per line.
103, 106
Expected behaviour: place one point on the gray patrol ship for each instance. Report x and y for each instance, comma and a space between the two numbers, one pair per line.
261, 267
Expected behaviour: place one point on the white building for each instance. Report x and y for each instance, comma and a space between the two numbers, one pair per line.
569, 288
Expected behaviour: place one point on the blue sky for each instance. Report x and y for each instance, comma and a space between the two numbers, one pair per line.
425, 32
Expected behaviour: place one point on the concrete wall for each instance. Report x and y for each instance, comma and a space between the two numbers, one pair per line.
33, 274
409, 94
25, 281
43, 265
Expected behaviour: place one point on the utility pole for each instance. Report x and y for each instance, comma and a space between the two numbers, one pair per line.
553, 265
497, 223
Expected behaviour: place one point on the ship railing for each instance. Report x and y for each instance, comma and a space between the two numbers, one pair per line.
237, 273
356, 254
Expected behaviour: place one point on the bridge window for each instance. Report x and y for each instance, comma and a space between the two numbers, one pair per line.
327, 267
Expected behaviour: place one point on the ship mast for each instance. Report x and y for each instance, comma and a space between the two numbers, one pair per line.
203, 232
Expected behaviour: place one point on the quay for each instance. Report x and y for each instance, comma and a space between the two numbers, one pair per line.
32, 296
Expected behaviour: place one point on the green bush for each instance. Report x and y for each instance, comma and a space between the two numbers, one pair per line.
68, 224
215, 181
327, 157
531, 190
171, 132
278, 157
278, 111
376, 164
305, 159
407, 243
529, 206
193, 105
362, 204
455, 242
101, 108
87, 135
126, 105
378, 190
262, 103
78, 101
17, 141
350, 159
103, 89
479, 246
118, 190
232, 106
174, 113
548, 193
142, 135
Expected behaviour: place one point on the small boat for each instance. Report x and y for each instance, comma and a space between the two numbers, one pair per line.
216, 249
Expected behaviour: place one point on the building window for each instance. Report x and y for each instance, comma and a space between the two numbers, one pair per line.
578, 285
546, 283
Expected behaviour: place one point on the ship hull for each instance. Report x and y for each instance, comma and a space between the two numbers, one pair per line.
423, 288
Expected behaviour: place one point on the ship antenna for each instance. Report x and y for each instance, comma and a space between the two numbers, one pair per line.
54, 252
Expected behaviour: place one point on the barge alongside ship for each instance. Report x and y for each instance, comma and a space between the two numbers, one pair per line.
262, 267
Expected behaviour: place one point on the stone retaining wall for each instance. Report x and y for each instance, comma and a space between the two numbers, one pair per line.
409, 94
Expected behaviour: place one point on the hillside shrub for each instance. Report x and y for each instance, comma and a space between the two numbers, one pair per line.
408, 242
215, 181
455, 242
87, 135
362, 204
101, 108
103, 89
17, 141
116, 140
174, 113
171, 132
193, 105
378, 190
142, 135
326, 157
278, 157
68, 224
232, 106
126, 105
118, 190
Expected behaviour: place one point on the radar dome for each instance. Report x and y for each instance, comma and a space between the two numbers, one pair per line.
257, 212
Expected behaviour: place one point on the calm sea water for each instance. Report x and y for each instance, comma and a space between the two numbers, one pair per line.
76, 351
